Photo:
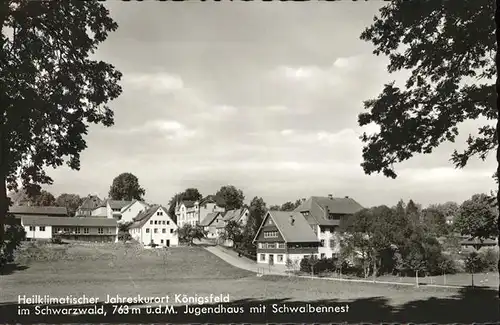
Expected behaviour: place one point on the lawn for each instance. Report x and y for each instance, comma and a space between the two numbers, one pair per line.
99, 270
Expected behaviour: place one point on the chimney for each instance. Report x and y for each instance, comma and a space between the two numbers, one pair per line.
327, 213
346, 197
330, 196
292, 220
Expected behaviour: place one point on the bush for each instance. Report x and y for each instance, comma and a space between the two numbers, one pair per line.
56, 240
446, 265
321, 265
489, 258
14, 235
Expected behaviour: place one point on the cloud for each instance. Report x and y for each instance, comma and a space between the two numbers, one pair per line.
169, 129
156, 82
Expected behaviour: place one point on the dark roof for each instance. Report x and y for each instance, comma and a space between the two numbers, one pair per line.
118, 204
298, 232
90, 203
34, 210
62, 221
213, 199
207, 221
234, 215
145, 215
188, 203
316, 206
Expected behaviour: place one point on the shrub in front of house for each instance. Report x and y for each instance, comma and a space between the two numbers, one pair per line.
322, 265
490, 259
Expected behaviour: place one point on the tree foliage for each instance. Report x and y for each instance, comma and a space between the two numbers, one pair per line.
434, 222
188, 233
477, 218
43, 199
126, 187
290, 206
233, 231
51, 88
449, 50
70, 201
232, 197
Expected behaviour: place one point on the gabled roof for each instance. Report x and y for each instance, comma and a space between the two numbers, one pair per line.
34, 210
90, 203
298, 232
132, 203
234, 215
64, 221
144, 216
316, 205
207, 221
118, 204
213, 199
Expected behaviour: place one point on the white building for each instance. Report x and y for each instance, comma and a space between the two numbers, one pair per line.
193, 212
129, 212
111, 209
154, 226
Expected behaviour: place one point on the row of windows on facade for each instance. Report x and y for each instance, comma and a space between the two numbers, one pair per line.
279, 257
158, 222
155, 230
282, 245
75, 230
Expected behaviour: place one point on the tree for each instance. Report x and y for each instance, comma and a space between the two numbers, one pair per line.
477, 218
188, 233
123, 231
257, 210
449, 51
473, 264
232, 197
412, 212
192, 194
447, 209
275, 207
70, 201
51, 90
126, 187
434, 221
232, 232
43, 199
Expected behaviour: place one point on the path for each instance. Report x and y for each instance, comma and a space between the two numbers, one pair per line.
244, 263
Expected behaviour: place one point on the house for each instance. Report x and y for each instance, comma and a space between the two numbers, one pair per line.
50, 211
193, 212
209, 224
324, 215
237, 215
77, 228
473, 243
285, 235
89, 204
111, 209
132, 210
154, 225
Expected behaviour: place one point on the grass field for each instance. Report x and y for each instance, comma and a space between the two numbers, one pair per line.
100, 270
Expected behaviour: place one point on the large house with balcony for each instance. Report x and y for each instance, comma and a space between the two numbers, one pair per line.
154, 226
193, 212
77, 228
291, 231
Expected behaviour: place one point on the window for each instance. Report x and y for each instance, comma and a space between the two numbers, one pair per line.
332, 243
168, 222
151, 222
305, 213
163, 222
333, 216
32, 228
86, 230
66, 229
261, 245
171, 231
147, 230
269, 222
161, 241
100, 231
262, 257
322, 229
281, 245
42, 228
109, 230
280, 258
159, 213
270, 234
323, 255
156, 222
164, 231
78, 230
271, 245
155, 230
322, 243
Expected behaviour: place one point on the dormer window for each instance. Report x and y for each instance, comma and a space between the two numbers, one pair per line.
305, 213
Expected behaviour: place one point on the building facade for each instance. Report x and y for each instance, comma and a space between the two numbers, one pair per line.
89, 204
77, 228
193, 212
129, 212
154, 226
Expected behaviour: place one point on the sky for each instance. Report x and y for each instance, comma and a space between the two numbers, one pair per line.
262, 96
